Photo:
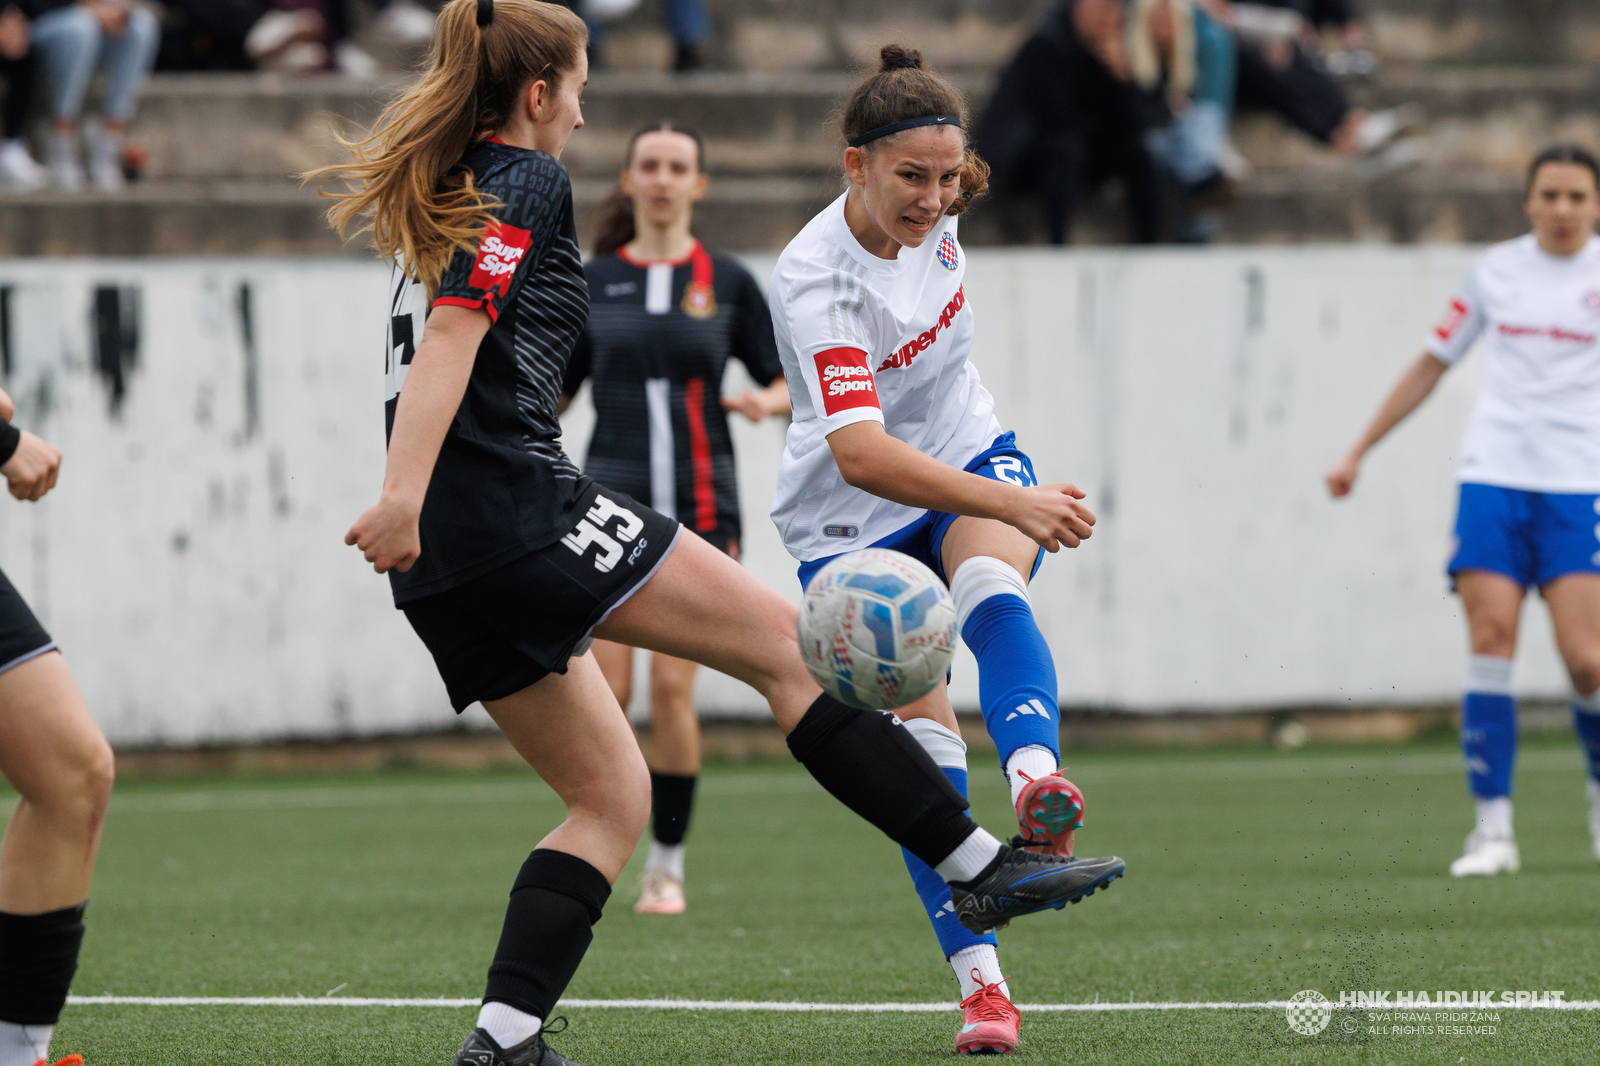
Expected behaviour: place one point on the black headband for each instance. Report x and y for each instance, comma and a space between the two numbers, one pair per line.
908, 124
485, 12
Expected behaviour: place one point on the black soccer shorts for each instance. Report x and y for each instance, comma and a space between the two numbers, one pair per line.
501, 632
21, 636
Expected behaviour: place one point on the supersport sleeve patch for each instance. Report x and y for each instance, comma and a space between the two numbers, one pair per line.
845, 380
1463, 320
485, 280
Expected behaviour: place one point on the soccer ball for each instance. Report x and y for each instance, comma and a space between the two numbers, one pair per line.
877, 629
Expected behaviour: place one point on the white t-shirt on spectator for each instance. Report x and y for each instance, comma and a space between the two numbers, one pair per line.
1536, 425
867, 338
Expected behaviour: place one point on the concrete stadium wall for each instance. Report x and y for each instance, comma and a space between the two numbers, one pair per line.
222, 425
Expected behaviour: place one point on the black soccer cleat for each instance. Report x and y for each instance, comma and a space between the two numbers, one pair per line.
1020, 882
479, 1049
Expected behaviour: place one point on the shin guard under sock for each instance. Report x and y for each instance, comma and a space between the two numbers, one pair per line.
1586, 723
1489, 727
555, 901
38, 956
1016, 673
870, 763
671, 800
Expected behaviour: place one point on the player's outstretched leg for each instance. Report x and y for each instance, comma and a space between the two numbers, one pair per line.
1016, 676
702, 606
1489, 744
989, 1021
54, 755
571, 730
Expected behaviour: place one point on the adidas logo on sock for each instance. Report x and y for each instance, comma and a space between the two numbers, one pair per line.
1031, 707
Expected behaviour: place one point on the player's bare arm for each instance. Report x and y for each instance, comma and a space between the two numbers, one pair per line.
873, 461
387, 532
1414, 386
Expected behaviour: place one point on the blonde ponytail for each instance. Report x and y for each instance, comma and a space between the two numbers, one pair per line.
404, 181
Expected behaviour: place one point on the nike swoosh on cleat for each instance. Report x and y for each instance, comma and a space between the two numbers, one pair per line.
969, 1028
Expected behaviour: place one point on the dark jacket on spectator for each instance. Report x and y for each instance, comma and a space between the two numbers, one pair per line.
1318, 12
1060, 123
34, 8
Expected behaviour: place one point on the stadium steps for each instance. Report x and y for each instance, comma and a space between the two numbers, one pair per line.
224, 149
978, 34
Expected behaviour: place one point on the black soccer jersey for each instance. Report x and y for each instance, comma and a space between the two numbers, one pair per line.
502, 484
658, 338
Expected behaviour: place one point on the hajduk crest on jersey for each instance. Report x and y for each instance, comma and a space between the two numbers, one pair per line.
946, 252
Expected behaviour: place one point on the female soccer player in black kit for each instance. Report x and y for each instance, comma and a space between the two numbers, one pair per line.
52, 753
507, 560
665, 315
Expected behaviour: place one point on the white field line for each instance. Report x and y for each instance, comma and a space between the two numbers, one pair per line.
748, 1005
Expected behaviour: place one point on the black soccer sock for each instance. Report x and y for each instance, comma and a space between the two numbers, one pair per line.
38, 956
671, 800
556, 899
874, 766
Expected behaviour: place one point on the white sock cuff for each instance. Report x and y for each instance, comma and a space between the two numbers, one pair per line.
506, 1024
666, 857
979, 578
945, 747
1489, 674
1589, 704
970, 857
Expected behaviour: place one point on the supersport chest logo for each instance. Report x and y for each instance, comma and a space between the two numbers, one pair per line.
499, 254
946, 253
846, 380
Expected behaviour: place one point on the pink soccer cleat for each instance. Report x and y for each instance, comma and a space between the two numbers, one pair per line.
660, 894
1048, 810
989, 1021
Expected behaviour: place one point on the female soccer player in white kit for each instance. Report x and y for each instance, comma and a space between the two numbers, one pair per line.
1529, 512
895, 444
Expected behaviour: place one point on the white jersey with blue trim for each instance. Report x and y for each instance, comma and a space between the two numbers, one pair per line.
863, 338
1536, 425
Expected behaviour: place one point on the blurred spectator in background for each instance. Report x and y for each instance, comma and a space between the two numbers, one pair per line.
403, 22
1353, 57
1277, 72
687, 20
18, 170
73, 40
1185, 61
1067, 115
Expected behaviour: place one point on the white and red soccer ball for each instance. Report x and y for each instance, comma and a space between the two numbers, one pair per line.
877, 629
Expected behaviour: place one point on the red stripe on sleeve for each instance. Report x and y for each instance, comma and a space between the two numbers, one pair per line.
705, 502
482, 303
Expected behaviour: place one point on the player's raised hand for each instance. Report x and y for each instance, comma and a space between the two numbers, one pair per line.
1053, 516
1342, 478
31, 471
387, 535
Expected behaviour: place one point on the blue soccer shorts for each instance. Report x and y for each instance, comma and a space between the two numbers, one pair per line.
1530, 537
923, 539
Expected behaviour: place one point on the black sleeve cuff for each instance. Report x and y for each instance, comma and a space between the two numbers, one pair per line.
10, 437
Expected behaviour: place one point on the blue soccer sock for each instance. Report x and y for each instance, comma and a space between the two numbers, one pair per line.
950, 753
1016, 675
1489, 727
1586, 723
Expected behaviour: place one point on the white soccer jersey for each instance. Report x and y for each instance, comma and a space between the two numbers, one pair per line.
867, 338
1536, 425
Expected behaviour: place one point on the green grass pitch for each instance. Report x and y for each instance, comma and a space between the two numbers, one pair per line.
1251, 875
